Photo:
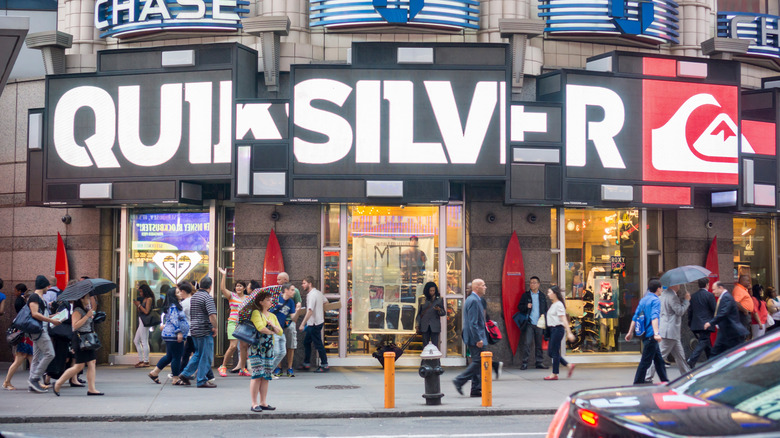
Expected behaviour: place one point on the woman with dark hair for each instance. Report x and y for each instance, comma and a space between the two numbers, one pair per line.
759, 314
81, 321
261, 354
429, 316
235, 299
174, 333
24, 349
143, 305
558, 323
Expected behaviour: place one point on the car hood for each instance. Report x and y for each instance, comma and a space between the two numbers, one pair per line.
659, 410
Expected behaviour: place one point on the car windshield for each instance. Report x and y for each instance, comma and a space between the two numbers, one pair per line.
747, 379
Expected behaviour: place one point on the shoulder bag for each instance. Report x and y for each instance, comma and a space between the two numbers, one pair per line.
246, 332
25, 323
88, 341
13, 336
151, 319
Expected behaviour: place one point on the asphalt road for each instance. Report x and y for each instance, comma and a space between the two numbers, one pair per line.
436, 427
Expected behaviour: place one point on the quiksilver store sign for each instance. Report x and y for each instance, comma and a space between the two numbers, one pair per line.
134, 18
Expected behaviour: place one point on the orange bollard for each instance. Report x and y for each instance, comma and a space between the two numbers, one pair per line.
389, 379
487, 378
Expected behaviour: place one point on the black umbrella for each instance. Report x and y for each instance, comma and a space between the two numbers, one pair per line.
90, 286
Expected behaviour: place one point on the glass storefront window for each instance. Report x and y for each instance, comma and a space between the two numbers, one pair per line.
454, 226
454, 327
753, 249
602, 257
454, 273
554, 229
392, 253
166, 247
331, 216
331, 272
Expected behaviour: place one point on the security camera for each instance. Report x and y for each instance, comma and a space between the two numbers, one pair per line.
66, 219
275, 216
531, 218
490, 218
709, 224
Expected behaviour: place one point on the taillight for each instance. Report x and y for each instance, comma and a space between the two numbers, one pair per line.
554, 431
589, 417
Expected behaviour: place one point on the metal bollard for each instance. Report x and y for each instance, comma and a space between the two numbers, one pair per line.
487, 378
389, 358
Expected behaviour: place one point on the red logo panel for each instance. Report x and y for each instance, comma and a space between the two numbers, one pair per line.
689, 132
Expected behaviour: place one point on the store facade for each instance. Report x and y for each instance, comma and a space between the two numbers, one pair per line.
389, 165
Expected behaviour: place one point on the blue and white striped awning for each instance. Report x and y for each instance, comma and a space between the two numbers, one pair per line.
595, 17
449, 14
768, 46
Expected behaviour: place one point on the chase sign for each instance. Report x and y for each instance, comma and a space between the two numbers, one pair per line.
133, 18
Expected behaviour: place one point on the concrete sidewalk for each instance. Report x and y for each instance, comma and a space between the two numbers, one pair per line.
341, 393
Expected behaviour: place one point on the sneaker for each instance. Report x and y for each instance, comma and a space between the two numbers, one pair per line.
322, 369
222, 371
35, 386
212, 381
274, 377
290, 372
277, 372
499, 370
304, 367
245, 372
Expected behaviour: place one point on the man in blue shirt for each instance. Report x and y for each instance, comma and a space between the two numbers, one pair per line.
534, 304
650, 309
284, 312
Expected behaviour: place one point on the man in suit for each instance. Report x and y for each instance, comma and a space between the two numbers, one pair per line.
672, 310
475, 337
731, 332
701, 311
534, 304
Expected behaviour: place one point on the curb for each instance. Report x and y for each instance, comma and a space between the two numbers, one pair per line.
277, 416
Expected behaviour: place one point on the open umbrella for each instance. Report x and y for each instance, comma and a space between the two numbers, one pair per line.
245, 308
684, 274
90, 286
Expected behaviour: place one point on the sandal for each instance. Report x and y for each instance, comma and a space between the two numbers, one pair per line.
180, 383
139, 365
8, 387
154, 378
222, 371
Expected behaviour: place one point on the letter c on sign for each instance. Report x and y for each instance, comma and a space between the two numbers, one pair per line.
100, 143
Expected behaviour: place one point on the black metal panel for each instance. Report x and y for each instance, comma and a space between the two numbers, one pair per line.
35, 177
62, 192
553, 183
316, 189
147, 190
269, 157
527, 181
426, 190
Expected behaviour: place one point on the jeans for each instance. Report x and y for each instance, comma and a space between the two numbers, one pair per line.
43, 353
535, 334
201, 359
314, 335
554, 348
703, 346
189, 349
430, 336
472, 372
173, 353
280, 349
651, 355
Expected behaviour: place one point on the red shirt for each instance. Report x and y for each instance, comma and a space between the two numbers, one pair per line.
761, 311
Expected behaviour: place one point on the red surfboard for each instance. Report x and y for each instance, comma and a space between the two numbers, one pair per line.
273, 263
512, 288
712, 266
61, 271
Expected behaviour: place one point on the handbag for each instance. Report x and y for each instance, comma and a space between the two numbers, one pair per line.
151, 319
88, 341
13, 336
521, 319
25, 323
541, 322
246, 332
769, 321
493, 332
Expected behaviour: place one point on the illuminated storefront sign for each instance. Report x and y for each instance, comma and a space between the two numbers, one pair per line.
132, 18
115, 126
761, 29
447, 14
652, 22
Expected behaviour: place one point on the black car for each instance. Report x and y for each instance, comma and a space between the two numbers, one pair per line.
736, 394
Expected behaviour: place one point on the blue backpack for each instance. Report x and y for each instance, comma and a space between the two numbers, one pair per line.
175, 322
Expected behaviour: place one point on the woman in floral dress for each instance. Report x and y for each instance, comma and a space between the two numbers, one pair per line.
261, 354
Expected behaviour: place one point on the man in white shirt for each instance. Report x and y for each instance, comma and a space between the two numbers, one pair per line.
312, 326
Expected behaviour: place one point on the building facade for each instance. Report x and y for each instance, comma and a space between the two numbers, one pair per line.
391, 145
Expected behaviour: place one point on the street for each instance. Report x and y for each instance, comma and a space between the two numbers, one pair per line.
434, 427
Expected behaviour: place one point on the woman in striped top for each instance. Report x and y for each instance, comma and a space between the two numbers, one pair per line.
235, 299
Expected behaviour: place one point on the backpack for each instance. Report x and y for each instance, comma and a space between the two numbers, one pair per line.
493, 332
